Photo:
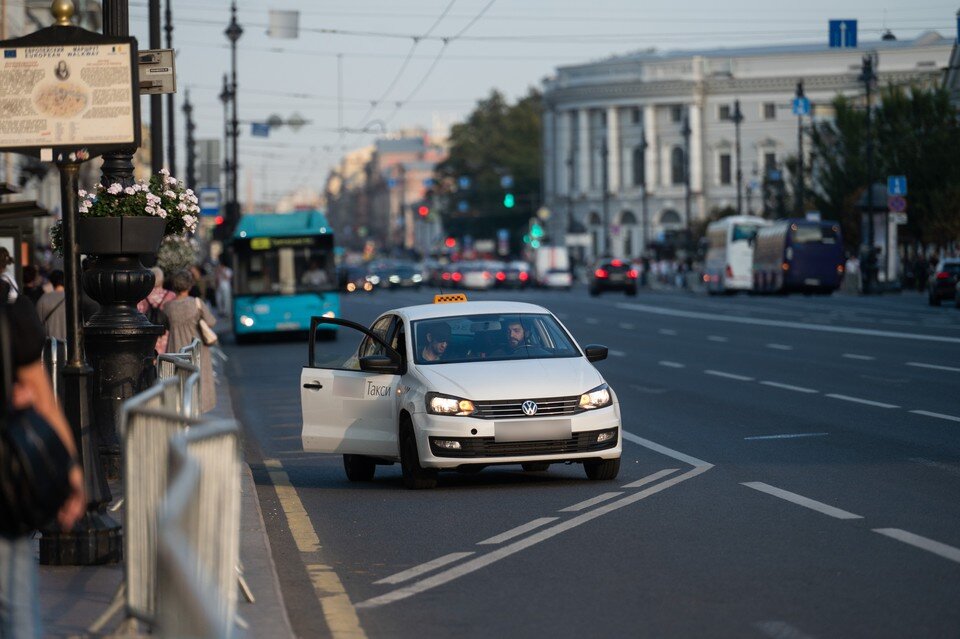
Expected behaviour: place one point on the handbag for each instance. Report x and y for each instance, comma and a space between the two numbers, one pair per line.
34, 463
207, 334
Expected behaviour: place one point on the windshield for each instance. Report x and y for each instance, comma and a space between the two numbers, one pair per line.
472, 338
285, 271
743, 232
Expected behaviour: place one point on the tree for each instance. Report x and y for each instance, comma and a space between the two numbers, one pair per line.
917, 134
496, 140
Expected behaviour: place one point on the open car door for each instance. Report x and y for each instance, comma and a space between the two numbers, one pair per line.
349, 397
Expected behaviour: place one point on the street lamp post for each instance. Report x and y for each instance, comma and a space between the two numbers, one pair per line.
643, 186
156, 100
191, 176
604, 153
171, 131
233, 33
685, 132
800, 184
737, 120
868, 77
226, 95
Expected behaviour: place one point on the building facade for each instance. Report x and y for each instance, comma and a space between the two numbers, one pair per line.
633, 121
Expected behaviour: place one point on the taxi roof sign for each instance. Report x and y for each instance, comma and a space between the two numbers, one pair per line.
449, 299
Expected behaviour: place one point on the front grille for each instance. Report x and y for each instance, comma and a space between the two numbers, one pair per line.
511, 408
585, 442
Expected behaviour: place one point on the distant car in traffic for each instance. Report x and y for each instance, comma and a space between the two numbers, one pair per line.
942, 284
557, 278
460, 386
356, 279
613, 275
514, 275
478, 276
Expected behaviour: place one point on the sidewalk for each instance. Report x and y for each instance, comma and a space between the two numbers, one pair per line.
73, 597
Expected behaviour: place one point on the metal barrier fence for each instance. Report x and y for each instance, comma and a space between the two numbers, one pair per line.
204, 521
54, 357
187, 374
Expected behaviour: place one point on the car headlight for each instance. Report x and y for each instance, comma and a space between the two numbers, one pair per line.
596, 398
446, 405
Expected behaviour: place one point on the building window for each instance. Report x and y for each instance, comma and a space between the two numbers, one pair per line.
726, 173
635, 115
724, 112
676, 165
769, 111
769, 162
603, 118
676, 113
639, 170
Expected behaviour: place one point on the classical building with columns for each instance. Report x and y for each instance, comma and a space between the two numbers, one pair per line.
623, 120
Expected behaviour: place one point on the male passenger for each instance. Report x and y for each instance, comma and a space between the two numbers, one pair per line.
518, 344
437, 336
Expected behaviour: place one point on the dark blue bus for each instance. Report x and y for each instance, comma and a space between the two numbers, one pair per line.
798, 255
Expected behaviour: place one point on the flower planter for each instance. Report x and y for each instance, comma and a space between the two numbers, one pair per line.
119, 235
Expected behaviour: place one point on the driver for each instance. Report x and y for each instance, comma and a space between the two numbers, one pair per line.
437, 336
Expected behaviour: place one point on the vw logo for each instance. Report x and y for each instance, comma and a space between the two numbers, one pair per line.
529, 408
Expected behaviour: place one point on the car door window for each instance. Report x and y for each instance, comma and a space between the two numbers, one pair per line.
344, 353
398, 342
381, 328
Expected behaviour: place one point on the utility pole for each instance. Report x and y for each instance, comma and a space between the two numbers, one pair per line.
800, 185
685, 132
737, 120
171, 108
643, 185
225, 98
156, 101
233, 33
191, 143
604, 152
868, 77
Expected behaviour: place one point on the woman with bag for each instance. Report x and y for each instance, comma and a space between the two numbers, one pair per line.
153, 307
186, 315
30, 405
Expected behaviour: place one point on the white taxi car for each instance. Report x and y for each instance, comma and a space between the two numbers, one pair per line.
460, 386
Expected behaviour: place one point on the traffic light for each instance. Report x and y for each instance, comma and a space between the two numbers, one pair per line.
423, 210
450, 242
509, 201
218, 220
536, 231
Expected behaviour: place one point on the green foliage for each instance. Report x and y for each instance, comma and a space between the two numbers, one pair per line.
917, 134
497, 139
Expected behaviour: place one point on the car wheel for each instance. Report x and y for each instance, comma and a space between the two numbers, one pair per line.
359, 468
934, 301
535, 467
415, 476
605, 469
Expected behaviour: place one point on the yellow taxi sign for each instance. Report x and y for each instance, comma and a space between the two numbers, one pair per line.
449, 299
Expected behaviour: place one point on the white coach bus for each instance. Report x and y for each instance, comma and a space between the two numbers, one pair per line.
729, 262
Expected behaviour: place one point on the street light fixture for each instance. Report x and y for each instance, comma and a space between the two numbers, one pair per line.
685, 132
233, 33
643, 185
737, 118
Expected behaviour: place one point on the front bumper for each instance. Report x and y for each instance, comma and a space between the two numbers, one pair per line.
479, 446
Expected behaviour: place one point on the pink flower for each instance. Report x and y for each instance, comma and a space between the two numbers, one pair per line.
114, 189
189, 220
129, 190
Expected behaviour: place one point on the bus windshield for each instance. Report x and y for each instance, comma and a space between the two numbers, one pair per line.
743, 232
269, 267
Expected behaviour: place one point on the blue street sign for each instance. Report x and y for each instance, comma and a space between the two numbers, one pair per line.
209, 201
506, 181
503, 234
843, 34
463, 206
774, 175
391, 183
260, 129
801, 106
896, 185
463, 182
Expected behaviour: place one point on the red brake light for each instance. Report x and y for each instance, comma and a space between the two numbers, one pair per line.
600, 273
445, 276
524, 276
501, 276
616, 263
632, 274
486, 275
943, 275
457, 276
785, 266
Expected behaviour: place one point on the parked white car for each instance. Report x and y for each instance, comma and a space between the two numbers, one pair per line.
460, 386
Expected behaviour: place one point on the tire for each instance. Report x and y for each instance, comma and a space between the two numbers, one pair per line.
535, 467
594, 292
415, 476
632, 292
934, 301
359, 467
602, 470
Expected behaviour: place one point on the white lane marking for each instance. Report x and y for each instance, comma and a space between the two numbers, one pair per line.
667, 331
669, 364
936, 367
936, 415
650, 478
858, 400
647, 389
663, 450
936, 547
800, 500
799, 389
740, 378
864, 358
717, 338
592, 320
416, 571
949, 468
788, 436
780, 347
583, 505
610, 351
516, 532
627, 326
522, 544
780, 630
657, 310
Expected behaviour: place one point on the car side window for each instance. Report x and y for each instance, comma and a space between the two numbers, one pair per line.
380, 328
398, 343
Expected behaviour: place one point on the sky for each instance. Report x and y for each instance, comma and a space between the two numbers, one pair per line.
425, 63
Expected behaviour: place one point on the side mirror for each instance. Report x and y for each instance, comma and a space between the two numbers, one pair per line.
379, 364
595, 352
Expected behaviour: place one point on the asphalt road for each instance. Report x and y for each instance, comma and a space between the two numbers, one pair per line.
791, 469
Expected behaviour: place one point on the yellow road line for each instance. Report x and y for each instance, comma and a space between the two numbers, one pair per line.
338, 611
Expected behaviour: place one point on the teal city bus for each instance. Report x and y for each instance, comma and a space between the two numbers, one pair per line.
284, 273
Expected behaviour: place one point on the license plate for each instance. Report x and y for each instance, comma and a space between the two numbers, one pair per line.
288, 326
811, 281
529, 430
616, 277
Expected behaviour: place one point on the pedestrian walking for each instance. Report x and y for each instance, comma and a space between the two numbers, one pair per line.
6, 274
224, 282
52, 309
184, 313
153, 307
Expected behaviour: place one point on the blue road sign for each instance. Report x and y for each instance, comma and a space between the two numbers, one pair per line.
260, 129
506, 181
391, 183
503, 234
464, 182
801, 106
463, 206
843, 34
209, 201
896, 185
